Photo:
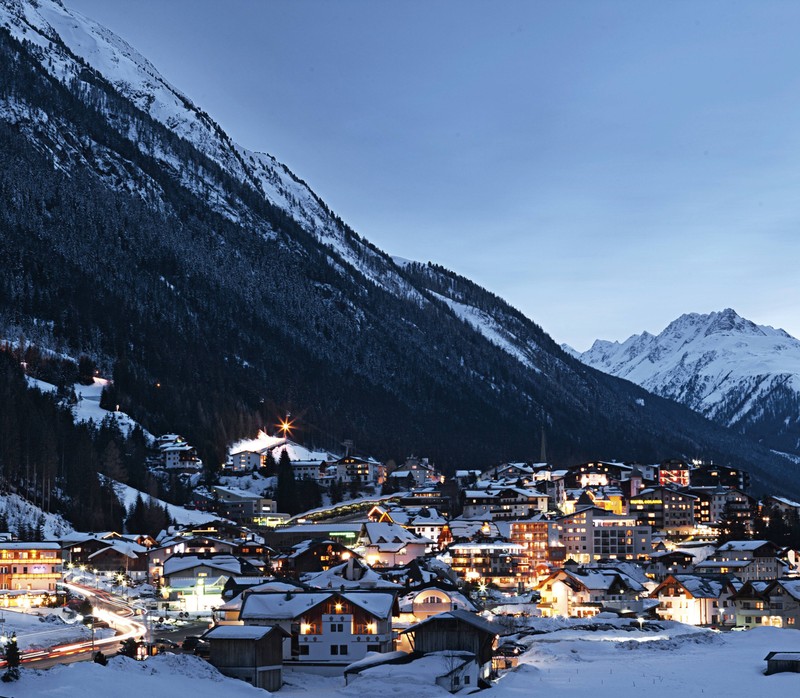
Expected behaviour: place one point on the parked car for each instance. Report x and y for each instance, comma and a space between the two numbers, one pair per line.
203, 649
190, 643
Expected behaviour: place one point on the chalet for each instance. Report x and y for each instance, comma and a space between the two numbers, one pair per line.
597, 474
120, 556
666, 562
457, 631
196, 582
364, 470
421, 471
106, 552
311, 556
696, 600
184, 545
245, 461
251, 653
177, 455
240, 505
425, 522
787, 507
506, 503
325, 627
353, 574
430, 601
585, 592
751, 604
747, 559
782, 607
390, 545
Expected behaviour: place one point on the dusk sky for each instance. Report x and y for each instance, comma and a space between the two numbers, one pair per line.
603, 166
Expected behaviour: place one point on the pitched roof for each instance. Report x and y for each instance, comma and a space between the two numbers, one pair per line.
242, 632
460, 615
272, 606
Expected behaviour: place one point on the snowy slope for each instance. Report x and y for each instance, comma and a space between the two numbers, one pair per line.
720, 364
19, 511
48, 22
127, 495
88, 406
490, 328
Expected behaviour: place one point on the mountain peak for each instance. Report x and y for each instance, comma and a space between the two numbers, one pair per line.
720, 364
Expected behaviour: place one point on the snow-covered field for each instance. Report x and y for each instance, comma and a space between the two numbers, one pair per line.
32, 633
608, 661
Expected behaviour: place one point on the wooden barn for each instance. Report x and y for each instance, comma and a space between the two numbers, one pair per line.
456, 630
251, 653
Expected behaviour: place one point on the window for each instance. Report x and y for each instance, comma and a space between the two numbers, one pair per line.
342, 649
337, 627
303, 649
334, 649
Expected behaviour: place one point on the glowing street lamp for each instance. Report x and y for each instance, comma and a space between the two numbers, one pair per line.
641, 623
286, 425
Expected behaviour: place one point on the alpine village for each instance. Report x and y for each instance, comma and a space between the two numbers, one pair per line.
242, 450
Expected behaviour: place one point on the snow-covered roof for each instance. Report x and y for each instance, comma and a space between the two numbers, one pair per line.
130, 550
459, 615
791, 586
701, 587
280, 606
742, 545
241, 632
382, 534
181, 563
378, 604
30, 546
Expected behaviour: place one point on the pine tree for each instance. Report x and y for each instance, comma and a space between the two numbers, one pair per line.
286, 492
13, 660
270, 466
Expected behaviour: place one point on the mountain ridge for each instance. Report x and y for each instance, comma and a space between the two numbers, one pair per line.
724, 366
218, 309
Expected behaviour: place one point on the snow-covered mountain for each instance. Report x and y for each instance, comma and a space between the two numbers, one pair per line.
72, 40
217, 289
720, 364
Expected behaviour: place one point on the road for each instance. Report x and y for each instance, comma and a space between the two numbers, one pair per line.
118, 613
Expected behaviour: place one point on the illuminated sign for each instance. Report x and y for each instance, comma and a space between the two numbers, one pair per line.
39, 569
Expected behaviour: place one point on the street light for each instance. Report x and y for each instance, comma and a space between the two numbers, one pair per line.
641, 623
286, 426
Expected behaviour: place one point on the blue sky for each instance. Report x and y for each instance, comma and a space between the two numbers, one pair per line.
603, 166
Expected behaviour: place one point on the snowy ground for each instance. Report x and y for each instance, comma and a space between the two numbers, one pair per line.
54, 629
600, 659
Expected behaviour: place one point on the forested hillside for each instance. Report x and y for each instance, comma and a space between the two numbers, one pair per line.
216, 311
